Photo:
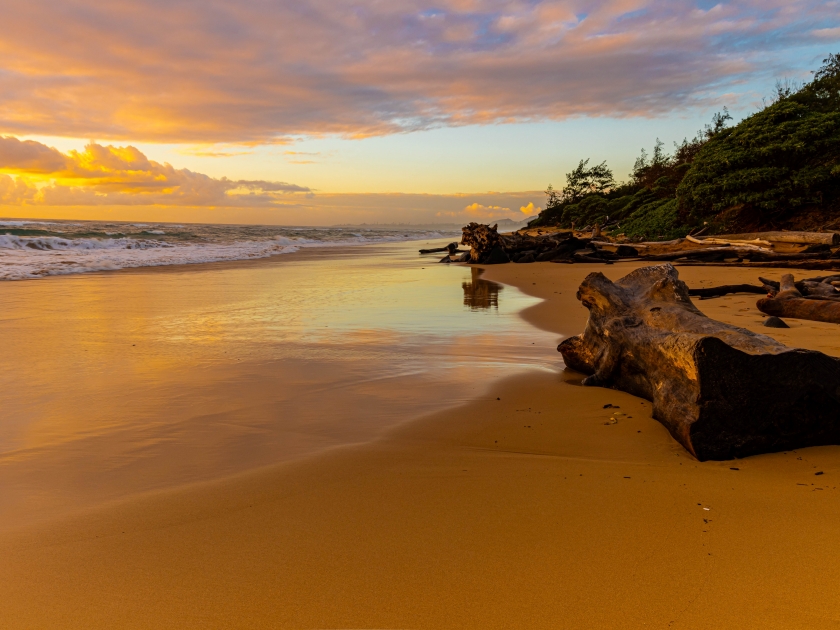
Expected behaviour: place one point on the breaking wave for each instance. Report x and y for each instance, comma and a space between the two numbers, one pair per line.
64, 248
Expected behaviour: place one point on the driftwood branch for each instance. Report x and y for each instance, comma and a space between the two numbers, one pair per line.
452, 248
716, 387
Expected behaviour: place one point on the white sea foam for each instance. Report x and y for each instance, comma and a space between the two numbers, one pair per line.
27, 257
17, 223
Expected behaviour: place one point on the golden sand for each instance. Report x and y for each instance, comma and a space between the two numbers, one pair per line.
520, 509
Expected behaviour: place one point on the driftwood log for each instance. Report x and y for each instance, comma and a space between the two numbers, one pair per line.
721, 391
810, 238
821, 305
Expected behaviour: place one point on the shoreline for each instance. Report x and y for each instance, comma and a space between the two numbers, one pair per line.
521, 512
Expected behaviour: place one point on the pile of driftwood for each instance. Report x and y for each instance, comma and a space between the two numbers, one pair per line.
814, 250
722, 391
817, 299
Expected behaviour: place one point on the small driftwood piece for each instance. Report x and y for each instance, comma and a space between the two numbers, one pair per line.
726, 290
721, 391
789, 302
452, 248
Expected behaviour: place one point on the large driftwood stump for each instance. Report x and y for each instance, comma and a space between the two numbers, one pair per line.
487, 246
722, 391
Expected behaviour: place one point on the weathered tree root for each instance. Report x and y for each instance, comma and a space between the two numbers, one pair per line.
721, 391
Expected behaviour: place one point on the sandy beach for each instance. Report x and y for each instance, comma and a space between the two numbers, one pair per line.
508, 506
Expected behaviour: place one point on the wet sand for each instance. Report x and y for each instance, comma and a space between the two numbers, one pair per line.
518, 508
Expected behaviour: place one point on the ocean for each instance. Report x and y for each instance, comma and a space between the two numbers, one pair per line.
38, 248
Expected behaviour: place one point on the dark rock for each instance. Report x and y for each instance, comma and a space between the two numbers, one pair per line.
775, 322
526, 257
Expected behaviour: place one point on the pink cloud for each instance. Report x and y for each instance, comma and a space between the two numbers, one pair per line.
255, 72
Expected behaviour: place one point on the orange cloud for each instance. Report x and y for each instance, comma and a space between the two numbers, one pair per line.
101, 175
478, 211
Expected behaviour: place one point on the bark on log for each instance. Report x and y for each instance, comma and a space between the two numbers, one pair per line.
716, 387
789, 302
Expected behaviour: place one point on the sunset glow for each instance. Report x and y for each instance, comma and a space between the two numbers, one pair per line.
275, 105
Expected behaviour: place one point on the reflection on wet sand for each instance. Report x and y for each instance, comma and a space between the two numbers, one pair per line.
161, 377
480, 294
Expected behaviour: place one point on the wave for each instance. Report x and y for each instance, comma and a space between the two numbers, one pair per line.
58, 243
23, 257
18, 223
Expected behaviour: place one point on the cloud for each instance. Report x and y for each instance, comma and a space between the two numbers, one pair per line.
15, 191
491, 208
392, 209
828, 33
301, 157
211, 153
103, 175
478, 210
28, 156
260, 72
457, 209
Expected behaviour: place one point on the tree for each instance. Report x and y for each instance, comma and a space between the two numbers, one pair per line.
553, 197
719, 121
584, 181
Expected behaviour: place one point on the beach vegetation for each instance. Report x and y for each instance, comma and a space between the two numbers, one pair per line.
779, 168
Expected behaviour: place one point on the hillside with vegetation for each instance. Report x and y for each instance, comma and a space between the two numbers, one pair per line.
777, 169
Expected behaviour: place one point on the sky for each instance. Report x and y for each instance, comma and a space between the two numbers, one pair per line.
320, 112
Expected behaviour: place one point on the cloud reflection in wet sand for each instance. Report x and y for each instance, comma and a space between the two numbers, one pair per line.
125, 382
